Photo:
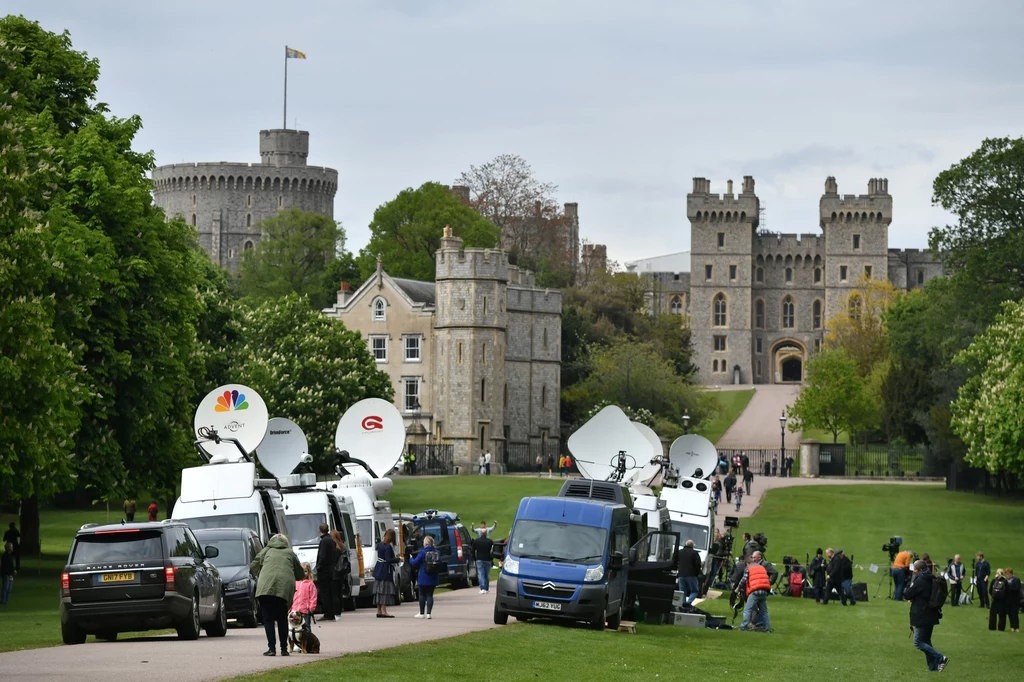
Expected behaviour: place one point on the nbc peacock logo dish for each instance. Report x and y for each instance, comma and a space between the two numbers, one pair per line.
231, 401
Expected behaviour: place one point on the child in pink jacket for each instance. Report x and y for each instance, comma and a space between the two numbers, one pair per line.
304, 601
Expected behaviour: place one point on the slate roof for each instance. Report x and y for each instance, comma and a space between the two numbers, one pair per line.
419, 292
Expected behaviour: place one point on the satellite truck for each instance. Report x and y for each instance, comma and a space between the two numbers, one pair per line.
369, 443
225, 492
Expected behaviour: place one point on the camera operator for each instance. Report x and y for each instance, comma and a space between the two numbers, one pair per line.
923, 616
749, 546
900, 572
755, 585
956, 572
982, 571
817, 571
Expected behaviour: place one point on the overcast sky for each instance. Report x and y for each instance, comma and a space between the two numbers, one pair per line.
620, 104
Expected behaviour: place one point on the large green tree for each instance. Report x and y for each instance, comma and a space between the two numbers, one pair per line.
308, 367
833, 397
407, 231
293, 256
988, 415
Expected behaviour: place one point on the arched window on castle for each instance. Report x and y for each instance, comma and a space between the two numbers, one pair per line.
788, 313
817, 275
675, 306
855, 305
816, 315
248, 220
720, 312
789, 275
760, 274
247, 246
759, 314
379, 307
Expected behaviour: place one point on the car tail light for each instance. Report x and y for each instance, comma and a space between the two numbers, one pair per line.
458, 545
65, 585
169, 578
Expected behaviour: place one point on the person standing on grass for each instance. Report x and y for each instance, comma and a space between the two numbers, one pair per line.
739, 497
482, 551
129, 511
817, 571
277, 568
982, 570
487, 462
8, 569
755, 585
1013, 599
832, 580
326, 559
480, 464
427, 581
956, 573
538, 463
900, 572
689, 572
13, 537
923, 616
153, 510
845, 582
551, 466
748, 478
998, 590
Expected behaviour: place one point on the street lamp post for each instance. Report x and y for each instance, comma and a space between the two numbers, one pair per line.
686, 421
782, 423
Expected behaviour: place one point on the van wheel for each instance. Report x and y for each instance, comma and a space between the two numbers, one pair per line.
219, 626
475, 579
598, 622
107, 635
251, 619
500, 617
615, 620
408, 594
189, 628
348, 604
72, 634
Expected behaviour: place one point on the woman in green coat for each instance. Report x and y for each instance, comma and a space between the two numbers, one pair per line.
278, 568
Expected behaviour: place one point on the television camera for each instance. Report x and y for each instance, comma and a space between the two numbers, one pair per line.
893, 547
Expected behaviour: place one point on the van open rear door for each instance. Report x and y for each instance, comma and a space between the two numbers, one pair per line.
653, 564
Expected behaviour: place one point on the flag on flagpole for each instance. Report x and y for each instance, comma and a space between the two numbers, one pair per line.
289, 53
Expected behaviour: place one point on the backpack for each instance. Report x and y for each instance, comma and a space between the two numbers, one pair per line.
343, 566
999, 587
432, 563
940, 592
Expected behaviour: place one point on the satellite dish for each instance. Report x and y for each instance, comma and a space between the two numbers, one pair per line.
283, 447
596, 445
373, 431
233, 411
691, 452
647, 470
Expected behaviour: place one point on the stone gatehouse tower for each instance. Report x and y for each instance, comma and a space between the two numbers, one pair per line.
760, 301
225, 201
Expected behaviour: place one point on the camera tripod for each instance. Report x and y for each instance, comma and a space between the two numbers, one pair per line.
888, 571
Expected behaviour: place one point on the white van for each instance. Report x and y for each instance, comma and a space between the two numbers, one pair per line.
373, 519
691, 512
229, 495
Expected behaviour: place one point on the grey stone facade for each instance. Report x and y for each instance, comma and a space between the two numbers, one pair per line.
758, 301
225, 201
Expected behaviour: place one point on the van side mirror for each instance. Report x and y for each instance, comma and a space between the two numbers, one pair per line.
632, 555
211, 552
615, 561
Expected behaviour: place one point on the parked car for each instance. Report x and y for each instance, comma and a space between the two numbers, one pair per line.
140, 576
452, 541
236, 548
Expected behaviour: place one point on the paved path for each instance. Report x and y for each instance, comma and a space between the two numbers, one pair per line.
159, 659
758, 424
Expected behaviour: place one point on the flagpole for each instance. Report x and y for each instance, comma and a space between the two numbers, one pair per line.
284, 119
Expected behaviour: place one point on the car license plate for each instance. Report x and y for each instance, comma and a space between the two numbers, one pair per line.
116, 577
547, 605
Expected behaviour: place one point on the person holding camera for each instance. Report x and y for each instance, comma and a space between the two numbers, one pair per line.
900, 572
982, 570
956, 573
756, 585
817, 571
923, 616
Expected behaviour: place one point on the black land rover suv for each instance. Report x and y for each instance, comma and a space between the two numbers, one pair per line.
140, 576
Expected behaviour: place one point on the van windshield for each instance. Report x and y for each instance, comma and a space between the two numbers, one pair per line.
550, 541
304, 529
691, 531
250, 521
366, 532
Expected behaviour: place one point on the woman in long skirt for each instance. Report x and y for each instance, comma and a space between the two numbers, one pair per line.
385, 593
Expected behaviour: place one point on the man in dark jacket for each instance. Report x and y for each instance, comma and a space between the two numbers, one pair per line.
754, 587
326, 558
689, 572
845, 585
817, 571
730, 486
924, 617
982, 571
482, 551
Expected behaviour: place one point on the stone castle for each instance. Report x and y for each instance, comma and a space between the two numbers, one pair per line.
475, 356
225, 201
758, 302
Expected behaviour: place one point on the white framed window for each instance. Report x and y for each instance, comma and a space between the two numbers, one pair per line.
676, 306
720, 344
379, 348
411, 399
379, 309
412, 348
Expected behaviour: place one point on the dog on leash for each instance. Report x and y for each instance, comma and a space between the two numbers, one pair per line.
300, 638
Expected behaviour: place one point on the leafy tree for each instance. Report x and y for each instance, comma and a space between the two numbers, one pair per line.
833, 398
308, 368
219, 328
989, 411
292, 257
342, 269
406, 231
859, 328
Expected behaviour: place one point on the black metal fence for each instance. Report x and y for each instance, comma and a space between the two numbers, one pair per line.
981, 482
437, 459
520, 457
875, 460
762, 459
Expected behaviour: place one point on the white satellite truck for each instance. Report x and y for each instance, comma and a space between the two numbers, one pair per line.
369, 440
687, 493
283, 451
225, 492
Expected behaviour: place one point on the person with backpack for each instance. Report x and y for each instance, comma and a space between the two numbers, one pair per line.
926, 594
482, 551
342, 574
999, 591
431, 566
1013, 599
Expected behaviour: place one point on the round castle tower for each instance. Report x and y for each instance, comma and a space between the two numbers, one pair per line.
225, 201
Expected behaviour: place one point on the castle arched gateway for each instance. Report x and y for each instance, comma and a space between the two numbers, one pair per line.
788, 359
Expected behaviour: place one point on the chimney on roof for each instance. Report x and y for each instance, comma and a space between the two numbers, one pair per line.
344, 294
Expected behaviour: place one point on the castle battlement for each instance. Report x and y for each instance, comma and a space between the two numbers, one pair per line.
873, 207
456, 262
703, 206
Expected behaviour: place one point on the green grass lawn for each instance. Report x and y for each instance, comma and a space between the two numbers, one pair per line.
867, 642
731, 404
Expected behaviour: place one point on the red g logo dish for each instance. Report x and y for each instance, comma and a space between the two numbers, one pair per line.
372, 423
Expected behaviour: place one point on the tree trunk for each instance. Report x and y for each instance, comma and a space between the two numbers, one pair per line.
30, 527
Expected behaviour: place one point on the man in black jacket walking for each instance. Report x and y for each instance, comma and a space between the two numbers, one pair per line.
923, 616
689, 572
982, 571
326, 558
